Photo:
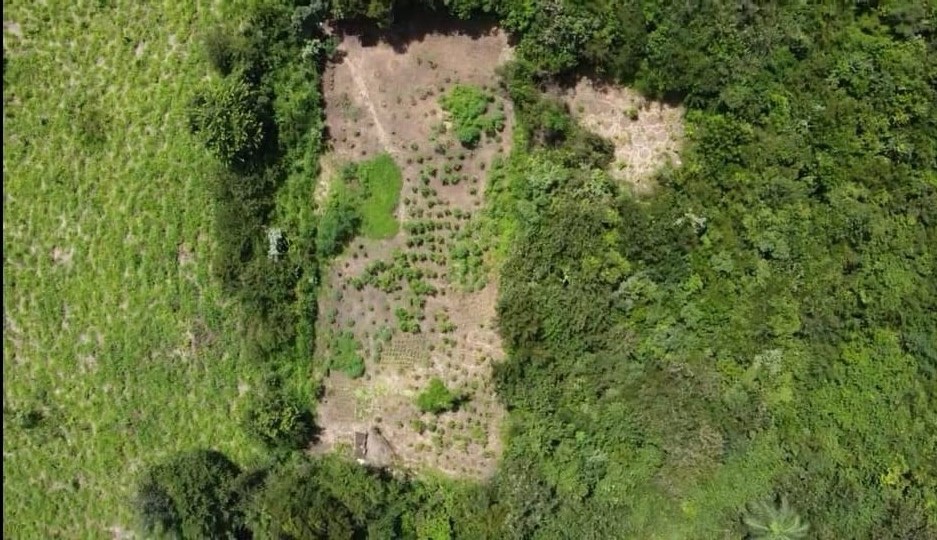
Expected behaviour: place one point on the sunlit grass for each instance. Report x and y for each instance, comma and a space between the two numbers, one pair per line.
383, 180
114, 329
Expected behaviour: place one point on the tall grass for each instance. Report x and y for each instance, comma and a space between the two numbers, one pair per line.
119, 348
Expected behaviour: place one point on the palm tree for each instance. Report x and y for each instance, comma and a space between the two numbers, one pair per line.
768, 521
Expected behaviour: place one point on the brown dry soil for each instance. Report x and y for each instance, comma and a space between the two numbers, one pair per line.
383, 97
646, 134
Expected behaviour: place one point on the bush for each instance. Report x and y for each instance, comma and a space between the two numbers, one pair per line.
229, 117
224, 49
437, 398
767, 521
468, 106
340, 221
278, 422
327, 498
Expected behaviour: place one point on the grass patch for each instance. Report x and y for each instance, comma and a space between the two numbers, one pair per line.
346, 356
363, 200
381, 179
436, 398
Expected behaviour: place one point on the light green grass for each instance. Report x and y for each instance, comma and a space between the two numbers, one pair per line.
346, 356
382, 180
98, 342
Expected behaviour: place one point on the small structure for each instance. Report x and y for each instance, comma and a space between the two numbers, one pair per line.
361, 446
379, 452
372, 448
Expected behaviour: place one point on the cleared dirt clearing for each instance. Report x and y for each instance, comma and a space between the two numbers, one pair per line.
646, 134
383, 97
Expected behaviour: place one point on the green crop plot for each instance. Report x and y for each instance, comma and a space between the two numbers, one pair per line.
382, 181
116, 351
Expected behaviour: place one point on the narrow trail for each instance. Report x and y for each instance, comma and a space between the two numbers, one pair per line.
382, 136
366, 99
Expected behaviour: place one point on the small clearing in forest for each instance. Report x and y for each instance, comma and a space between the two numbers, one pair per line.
398, 311
646, 134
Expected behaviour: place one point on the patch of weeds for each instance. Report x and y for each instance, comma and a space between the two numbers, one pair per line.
436, 398
443, 323
407, 321
345, 355
470, 110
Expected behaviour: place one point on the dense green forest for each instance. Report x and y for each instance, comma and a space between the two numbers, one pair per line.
750, 351
761, 329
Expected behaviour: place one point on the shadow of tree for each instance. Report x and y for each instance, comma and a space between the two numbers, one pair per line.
413, 24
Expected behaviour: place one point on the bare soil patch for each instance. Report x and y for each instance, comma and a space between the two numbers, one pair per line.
646, 134
383, 97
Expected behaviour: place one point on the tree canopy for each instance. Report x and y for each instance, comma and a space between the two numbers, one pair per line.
761, 327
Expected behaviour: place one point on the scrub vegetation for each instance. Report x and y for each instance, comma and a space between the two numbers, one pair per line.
747, 350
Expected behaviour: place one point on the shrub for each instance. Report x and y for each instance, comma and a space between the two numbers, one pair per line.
346, 357
339, 223
224, 49
291, 505
229, 118
468, 107
437, 398
407, 321
278, 422
774, 522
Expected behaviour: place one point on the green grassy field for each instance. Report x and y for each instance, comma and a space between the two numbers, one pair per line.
118, 346
383, 180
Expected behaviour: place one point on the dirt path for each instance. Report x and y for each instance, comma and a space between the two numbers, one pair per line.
355, 71
365, 96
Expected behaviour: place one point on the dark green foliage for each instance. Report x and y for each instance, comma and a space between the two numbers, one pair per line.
436, 397
278, 421
263, 121
761, 324
769, 300
340, 221
190, 496
561, 35
225, 49
330, 498
292, 505
229, 118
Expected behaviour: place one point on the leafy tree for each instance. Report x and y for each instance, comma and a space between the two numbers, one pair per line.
189, 496
307, 498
